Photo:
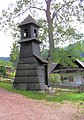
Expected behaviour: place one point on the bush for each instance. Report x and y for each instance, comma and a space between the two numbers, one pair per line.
54, 78
3, 70
12, 74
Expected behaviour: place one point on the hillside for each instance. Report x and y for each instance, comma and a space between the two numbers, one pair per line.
4, 58
82, 54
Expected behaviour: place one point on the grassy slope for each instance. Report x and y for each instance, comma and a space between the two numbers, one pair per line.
58, 97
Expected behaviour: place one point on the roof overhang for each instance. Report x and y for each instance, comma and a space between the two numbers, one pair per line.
29, 40
41, 59
70, 70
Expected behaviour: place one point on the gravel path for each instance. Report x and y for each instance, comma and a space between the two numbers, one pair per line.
16, 107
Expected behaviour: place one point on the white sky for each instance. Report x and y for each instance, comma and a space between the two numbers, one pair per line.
5, 40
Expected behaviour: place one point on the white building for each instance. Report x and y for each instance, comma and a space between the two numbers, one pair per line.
70, 76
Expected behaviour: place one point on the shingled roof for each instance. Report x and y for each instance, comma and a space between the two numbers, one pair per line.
40, 59
30, 40
28, 20
56, 68
81, 63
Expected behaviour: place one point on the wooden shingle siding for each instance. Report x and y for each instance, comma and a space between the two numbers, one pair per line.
32, 86
30, 66
28, 60
31, 69
29, 72
29, 79
25, 50
36, 49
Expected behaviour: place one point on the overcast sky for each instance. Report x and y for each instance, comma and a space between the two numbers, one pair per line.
5, 40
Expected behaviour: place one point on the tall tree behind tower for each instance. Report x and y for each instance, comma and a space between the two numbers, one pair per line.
58, 16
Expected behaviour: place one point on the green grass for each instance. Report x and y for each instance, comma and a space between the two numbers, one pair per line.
29, 94
58, 97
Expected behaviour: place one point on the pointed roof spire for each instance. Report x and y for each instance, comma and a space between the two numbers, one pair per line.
28, 20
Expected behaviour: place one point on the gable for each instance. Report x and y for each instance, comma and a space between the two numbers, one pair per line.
61, 69
79, 63
39, 58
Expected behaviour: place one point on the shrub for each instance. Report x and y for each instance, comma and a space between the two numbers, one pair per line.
54, 78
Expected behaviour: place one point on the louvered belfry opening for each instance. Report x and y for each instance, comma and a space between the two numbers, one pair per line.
31, 73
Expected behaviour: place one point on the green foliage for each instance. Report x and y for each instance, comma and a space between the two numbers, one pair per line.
67, 96
44, 53
12, 74
3, 64
3, 70
14, 53
54, 79
67, 55
6, 63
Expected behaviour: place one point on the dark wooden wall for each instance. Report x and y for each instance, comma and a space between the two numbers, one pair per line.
30, 75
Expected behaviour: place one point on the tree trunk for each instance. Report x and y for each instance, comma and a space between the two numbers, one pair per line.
50, 30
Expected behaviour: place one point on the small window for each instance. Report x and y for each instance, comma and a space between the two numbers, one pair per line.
65, 78
26, 33
35, 33
83, 78
70, 78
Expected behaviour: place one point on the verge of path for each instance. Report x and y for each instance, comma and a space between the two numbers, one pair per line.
17, 107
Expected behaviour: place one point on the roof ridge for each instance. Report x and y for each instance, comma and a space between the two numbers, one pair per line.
28, 20
82, 63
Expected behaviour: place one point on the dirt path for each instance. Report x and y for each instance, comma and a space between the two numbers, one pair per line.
16, 107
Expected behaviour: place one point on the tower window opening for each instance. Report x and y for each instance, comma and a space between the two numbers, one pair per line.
26, 33
35, 33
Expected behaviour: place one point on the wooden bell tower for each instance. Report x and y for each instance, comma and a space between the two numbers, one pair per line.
31, 71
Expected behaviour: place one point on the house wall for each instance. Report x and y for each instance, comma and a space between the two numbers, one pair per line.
82, 77
78, 78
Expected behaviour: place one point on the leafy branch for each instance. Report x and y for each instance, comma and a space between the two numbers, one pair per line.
55, 13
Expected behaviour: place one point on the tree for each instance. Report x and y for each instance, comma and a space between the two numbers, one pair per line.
3, 64
58, 18
14, 53
67, 55
6, 63
54, 79
79, 46
3, 70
